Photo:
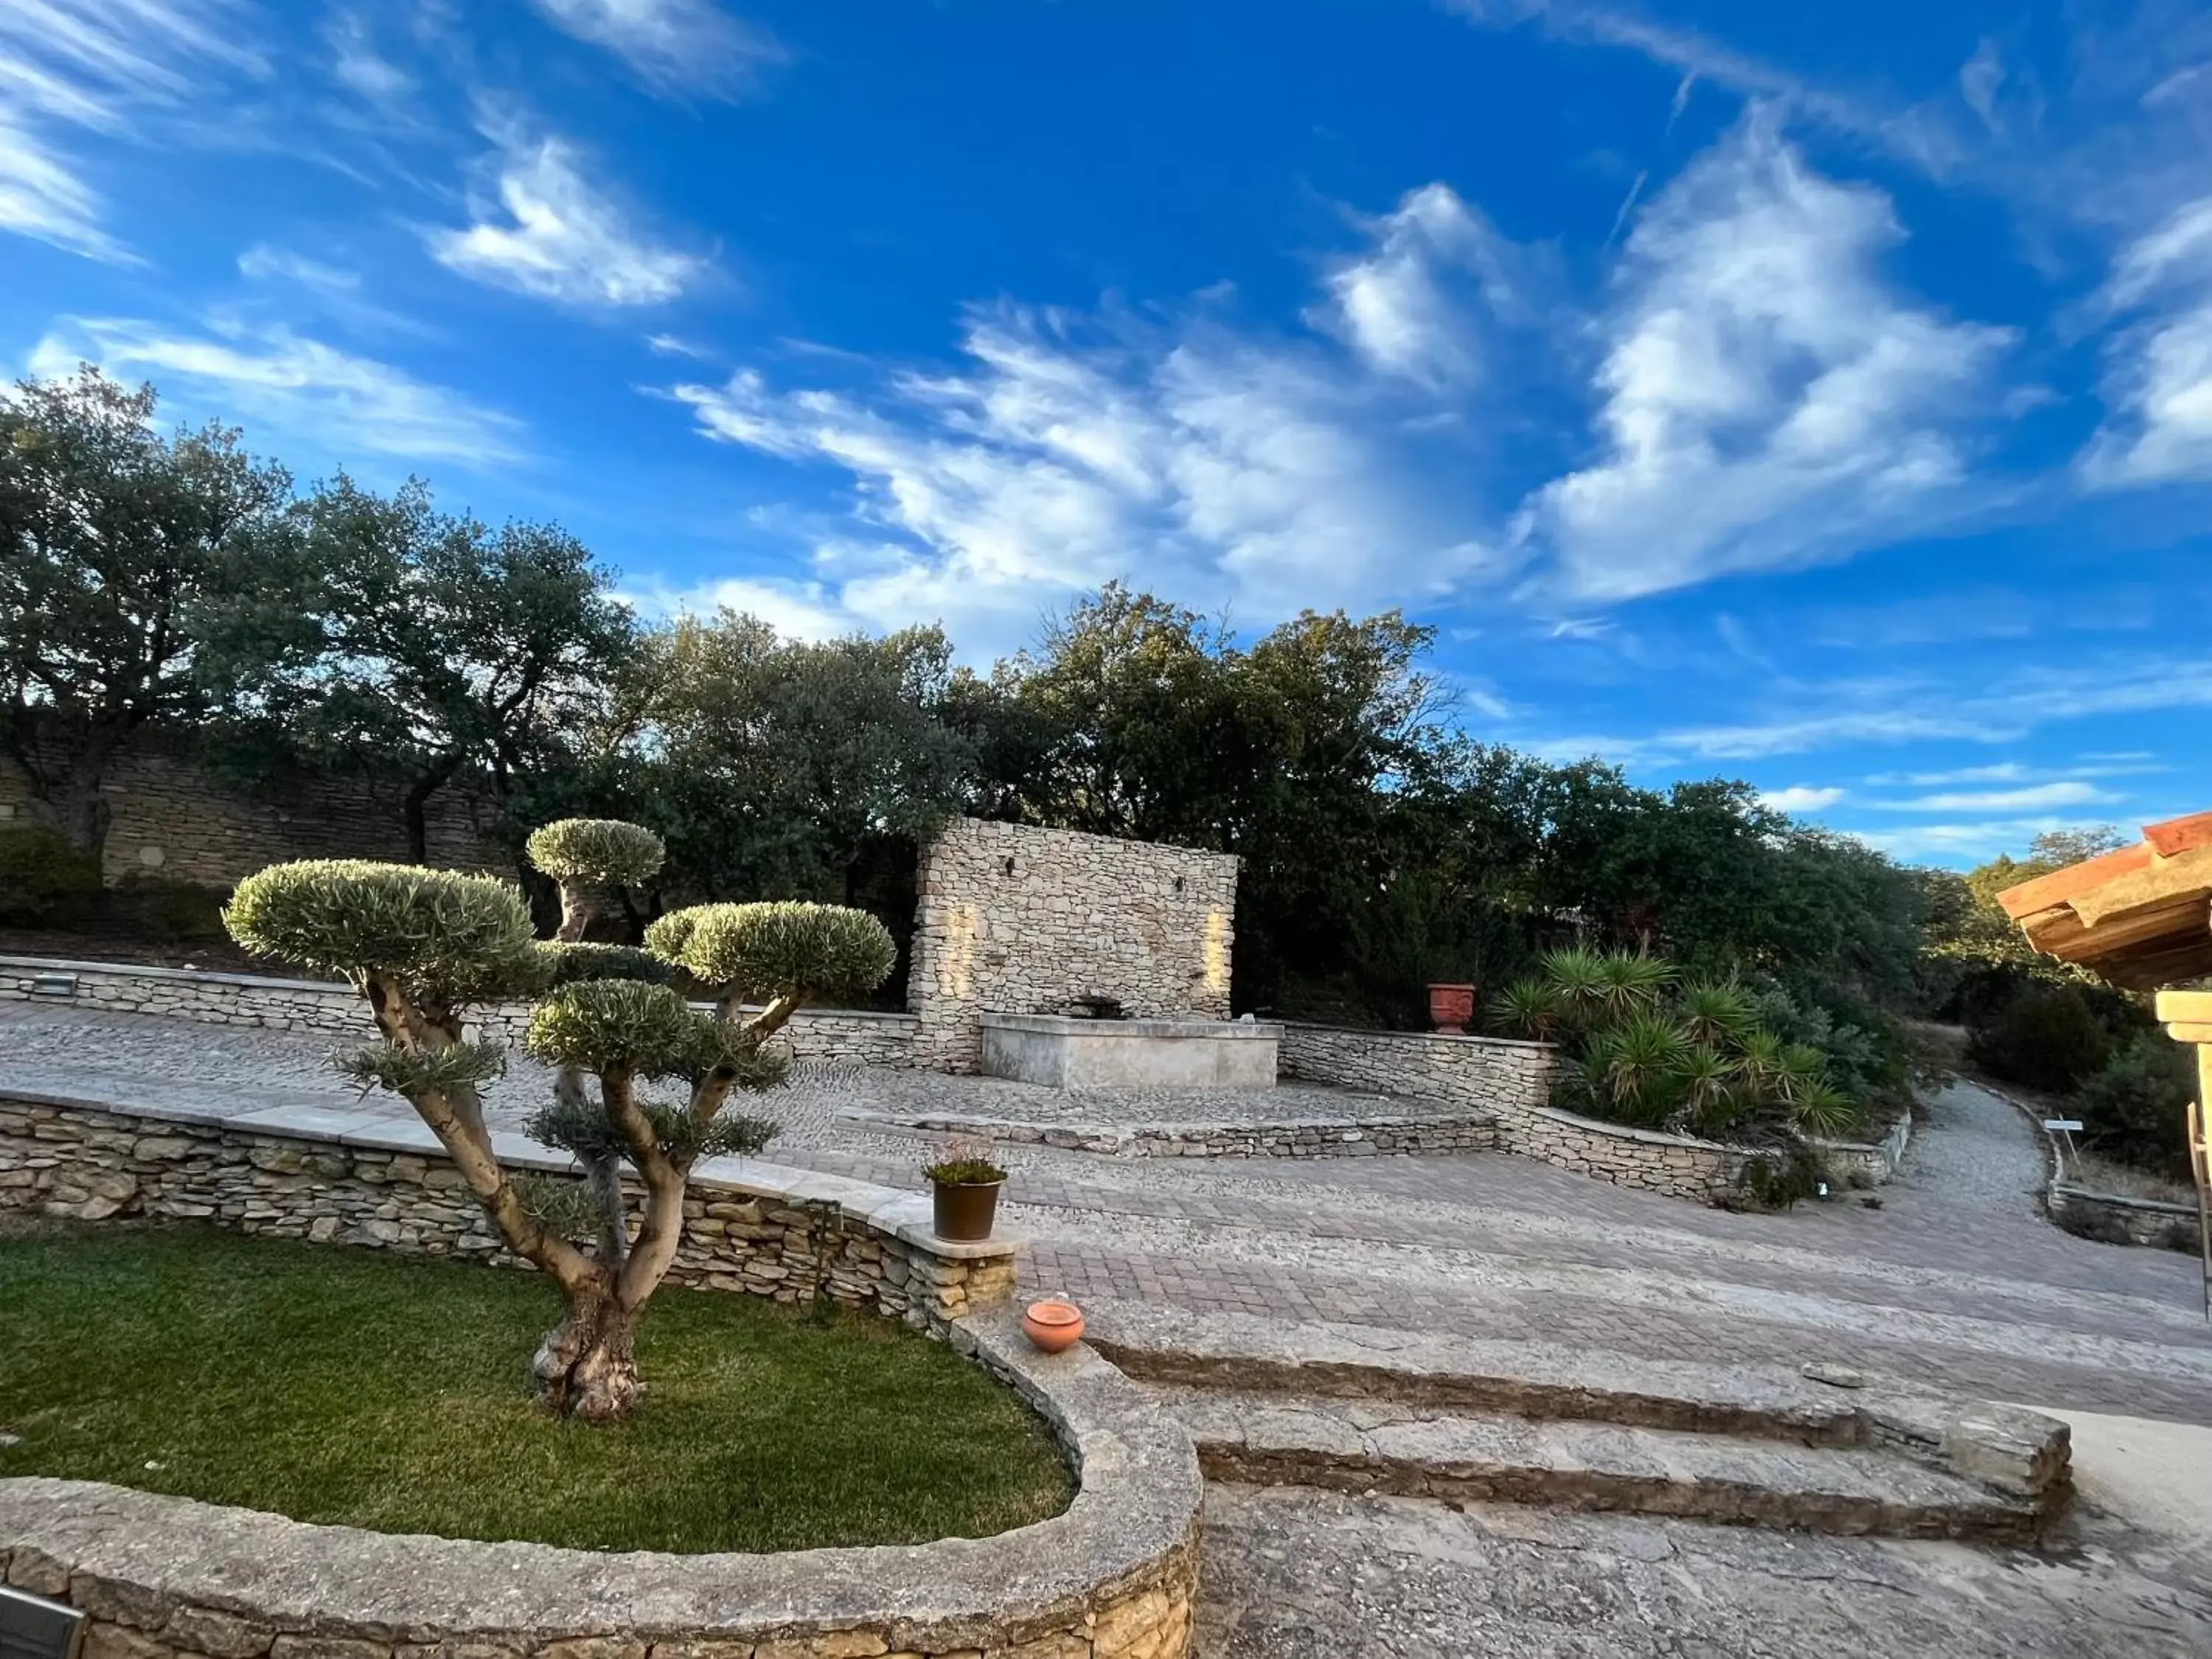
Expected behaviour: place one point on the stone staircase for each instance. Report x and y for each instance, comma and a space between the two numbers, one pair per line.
1366, 1409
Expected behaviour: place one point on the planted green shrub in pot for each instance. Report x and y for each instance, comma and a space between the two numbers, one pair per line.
964, 1191
425, 947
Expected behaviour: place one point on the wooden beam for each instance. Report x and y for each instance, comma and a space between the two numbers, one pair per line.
2061, 886
2185, 1007
2179, 835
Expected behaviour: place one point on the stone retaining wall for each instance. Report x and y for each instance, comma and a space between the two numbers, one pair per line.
2111, 1218
1015, 919
297, 1005
1511, 1082
385, 1183
1366, 1137
1112, 1577
1868, 1162
169, 817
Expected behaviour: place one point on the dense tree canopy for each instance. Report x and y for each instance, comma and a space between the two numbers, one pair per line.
174, 582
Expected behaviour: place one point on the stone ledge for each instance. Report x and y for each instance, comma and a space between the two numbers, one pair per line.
1547, 1049
2016, 1451
1110, 1578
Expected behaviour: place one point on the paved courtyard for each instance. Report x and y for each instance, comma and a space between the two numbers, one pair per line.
1956, 1280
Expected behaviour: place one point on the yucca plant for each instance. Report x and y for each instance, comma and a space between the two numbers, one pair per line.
1578, 977
1532, 1008
1628, 983
1820, 1109
1632, 1067
1706, 1086
1717, 1012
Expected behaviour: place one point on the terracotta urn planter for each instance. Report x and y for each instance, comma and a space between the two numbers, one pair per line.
1452, 1008
1054, 1327
965, 1211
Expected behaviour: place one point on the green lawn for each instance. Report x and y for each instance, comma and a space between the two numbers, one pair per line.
339, 1385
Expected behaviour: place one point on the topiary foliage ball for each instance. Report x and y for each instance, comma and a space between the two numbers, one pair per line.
601, 1024
567, 962
604, 851
785, 948
461, 938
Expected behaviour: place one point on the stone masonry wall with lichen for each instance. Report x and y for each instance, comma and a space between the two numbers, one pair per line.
1513, 1082
170, 819
85, 1163
1015, 919
856, 1035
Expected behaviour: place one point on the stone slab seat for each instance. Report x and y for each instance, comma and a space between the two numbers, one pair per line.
2017, 1458
1267, 1439
1109, 1578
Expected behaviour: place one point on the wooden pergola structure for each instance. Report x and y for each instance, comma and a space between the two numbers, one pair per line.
2141, 917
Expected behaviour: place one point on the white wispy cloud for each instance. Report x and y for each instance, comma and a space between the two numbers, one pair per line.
2158, 384
265, 263
1768, 398
289, 386
1802, 798
1909, 709
1969, 840
1417, 303
796, 610
361, 67
1066, 451
555, 235
2035, 798
674, 45
98, 67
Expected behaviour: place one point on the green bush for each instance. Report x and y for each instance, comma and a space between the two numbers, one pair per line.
2048, 1038
2135, 1110
174, 912
43, 878
775, 949
605, 850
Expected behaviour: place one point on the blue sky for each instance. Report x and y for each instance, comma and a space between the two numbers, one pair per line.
1817, 395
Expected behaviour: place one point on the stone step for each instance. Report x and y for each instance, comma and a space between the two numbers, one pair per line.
2017, 1461
1415, 1132
1264, 1439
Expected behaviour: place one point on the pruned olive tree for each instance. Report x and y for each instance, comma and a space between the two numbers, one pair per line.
425, 946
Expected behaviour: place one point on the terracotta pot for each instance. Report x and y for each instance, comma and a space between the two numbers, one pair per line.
965, 1210
1450, 1008
1054, 1327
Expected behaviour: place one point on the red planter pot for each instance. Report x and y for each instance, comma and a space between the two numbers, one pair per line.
1054, 1327
1451, 1009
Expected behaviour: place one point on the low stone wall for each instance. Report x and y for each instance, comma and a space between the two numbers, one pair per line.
855, 1035
1511, 1082
1366, 1137
2110, 1218
1868, 1162
385, 1183
1112, 1577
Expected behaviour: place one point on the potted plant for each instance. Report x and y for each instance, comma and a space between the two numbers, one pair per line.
965, 1185
1450, 1008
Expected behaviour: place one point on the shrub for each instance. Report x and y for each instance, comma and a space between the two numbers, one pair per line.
605, 850
44, 878
2049, 1039
2135, 1110
826, 949
172, 911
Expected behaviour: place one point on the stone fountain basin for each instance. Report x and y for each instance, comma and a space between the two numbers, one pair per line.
1060, 1051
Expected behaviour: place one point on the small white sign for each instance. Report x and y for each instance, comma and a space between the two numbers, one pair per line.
2065, 1125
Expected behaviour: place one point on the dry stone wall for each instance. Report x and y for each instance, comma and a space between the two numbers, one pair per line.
1015, 919
162, 1577
292, 1004
784, 1234
170, 819
1512, 1082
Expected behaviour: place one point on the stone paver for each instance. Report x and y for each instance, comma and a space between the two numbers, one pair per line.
1956, 1280
1292, 1573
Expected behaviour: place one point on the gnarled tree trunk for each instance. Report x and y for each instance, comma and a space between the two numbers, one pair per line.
586, 1367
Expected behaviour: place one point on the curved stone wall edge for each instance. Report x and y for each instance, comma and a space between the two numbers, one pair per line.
1110, 1578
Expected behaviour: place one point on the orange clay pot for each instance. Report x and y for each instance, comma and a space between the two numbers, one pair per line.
1054, 1327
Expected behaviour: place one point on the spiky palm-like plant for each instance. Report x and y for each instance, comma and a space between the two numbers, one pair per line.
1578, 977
1532, 1008
1632, 1068
1716, 1012
1630, 983
423, 947
1708, 1089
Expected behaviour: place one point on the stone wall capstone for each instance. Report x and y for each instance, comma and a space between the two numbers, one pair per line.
1015, 919
170, 819
1512, 1081
758, 1228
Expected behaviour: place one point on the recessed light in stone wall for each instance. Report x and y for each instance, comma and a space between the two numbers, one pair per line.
152, 857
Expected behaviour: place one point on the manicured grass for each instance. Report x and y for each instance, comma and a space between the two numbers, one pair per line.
339, 1385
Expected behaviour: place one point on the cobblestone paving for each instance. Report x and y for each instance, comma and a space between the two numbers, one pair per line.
1956, 1280
1290, 1573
